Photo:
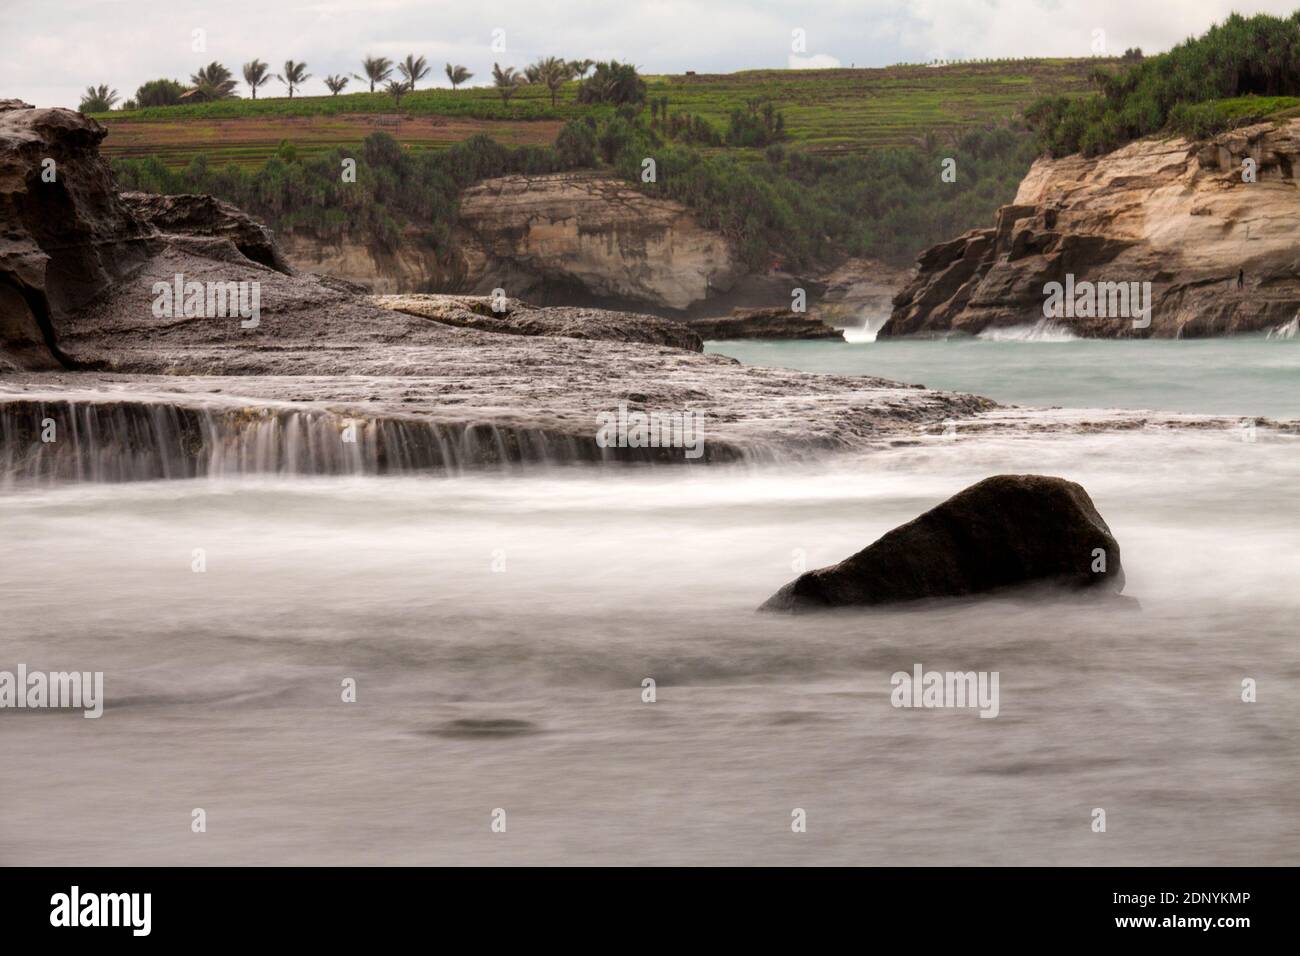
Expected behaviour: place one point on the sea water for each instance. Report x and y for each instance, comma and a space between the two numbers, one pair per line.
375, 670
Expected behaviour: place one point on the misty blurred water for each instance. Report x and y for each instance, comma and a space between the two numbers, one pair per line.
499, 629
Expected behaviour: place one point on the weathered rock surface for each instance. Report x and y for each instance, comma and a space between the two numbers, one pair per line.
1003, 532
320, 343
66, 234
209, 221
71, 238
592, 231
764, 324
515, 317
1175, 213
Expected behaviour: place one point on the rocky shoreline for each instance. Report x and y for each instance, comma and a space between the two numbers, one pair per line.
515, 317
94, 339
1161, 238
764, 324
1207, 226
84, 341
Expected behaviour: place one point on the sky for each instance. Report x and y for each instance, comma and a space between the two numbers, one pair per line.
51, 50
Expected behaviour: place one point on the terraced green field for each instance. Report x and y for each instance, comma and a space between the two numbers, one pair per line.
249, 141
824, 110
862, 109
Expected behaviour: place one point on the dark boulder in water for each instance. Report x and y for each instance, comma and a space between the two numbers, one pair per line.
1003, 532
471, 727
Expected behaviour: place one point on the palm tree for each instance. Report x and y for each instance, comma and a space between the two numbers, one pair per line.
98, 99
294, 76
413, 70
551, 72
376, 70
396, 89
580, 67
457, 75
256, 73
336, 83
214, 81
507, 81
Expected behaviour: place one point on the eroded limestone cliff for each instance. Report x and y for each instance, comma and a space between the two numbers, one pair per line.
413, 267
591, 230
561, 236
1218, 249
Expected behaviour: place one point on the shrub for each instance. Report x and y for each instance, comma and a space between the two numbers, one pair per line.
1259, 55
158, 93
612, 83
576, 144
392, 186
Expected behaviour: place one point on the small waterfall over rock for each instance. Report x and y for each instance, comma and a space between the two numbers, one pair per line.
57, 438
862, 333
1044, 330
1287, 330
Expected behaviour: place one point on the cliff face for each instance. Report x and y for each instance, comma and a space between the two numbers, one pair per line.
65, 234
413, 267
859, 295
586, 229
1173, 213
580, 232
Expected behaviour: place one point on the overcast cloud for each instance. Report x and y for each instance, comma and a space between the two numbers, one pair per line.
51, 50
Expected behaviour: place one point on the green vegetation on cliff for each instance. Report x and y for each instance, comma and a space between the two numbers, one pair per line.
778, 205
797, 167
825, 110
393, 188
1239, 71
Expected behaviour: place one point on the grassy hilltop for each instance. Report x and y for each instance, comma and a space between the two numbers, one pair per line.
824, 110
797, 167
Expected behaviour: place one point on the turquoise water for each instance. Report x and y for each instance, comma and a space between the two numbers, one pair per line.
1230, 376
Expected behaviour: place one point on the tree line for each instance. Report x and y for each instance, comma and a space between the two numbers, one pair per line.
611, 82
